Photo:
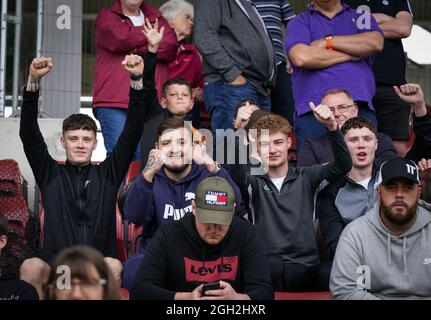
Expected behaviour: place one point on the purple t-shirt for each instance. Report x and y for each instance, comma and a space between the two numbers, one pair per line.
354, 76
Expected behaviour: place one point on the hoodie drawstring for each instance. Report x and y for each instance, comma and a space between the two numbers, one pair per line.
389, 249
405, 255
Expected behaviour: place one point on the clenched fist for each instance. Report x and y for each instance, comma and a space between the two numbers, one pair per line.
133, 64
39, 67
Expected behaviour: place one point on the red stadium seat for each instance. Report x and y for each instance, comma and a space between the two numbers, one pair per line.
124, 293
324, 295
10, 178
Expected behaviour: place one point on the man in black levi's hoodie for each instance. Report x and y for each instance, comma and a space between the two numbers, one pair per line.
208, 245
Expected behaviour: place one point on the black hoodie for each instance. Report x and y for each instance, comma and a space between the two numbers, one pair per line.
178, 260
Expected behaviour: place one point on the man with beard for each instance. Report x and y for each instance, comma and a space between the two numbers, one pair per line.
165, 189
386, 254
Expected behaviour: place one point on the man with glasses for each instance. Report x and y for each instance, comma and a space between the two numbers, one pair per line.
319, 151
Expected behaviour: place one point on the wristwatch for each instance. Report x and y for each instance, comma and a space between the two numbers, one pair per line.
328, 39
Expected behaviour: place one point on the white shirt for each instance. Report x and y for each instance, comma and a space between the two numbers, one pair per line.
137, 20
278, 182
364, 182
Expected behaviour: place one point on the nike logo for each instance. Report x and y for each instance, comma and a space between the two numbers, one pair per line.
266, 188
86, 183
427, 260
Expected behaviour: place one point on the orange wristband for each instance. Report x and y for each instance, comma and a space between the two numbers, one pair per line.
329, 43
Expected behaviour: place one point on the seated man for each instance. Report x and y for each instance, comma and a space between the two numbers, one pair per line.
208, 245
385, 254
11, 286
318, 151
282, 202
353, 195
78, 196
165, 189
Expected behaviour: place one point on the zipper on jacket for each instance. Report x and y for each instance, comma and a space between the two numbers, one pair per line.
84, 223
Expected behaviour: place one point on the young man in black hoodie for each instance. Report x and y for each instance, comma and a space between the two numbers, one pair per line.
208, 245
78, 196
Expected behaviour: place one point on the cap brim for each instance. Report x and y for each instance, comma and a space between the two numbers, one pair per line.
385, 182
214, 216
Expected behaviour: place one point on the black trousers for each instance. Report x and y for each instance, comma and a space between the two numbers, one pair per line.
295, 277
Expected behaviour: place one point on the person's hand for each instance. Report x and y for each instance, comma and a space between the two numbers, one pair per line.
198, 94
226, 292
289, 68
133, 64
243, 115
196, 294
412, 93
153, 34
425, 170
324, 115
240, 80
201, 157
153, 165
319, 43
40, 67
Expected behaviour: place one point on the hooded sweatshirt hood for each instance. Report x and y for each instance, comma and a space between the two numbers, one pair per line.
399, 266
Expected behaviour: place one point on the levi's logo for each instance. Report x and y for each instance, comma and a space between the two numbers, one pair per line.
210, 271
216, 198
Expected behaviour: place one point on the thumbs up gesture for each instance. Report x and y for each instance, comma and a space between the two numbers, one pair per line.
324, 115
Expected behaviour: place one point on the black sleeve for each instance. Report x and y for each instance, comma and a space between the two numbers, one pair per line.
36, 151
385, 149
330, 221
403, 5
150, 277
306, 156
28, 292
151, 101
422, 145
336, 169
119, 160
255, 272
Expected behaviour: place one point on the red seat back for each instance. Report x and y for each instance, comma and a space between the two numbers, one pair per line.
324, 295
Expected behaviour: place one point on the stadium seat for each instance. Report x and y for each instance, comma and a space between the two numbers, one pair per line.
124, 294
324, 295
16, 211
11, 183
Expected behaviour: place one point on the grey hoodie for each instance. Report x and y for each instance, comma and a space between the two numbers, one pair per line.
399, 266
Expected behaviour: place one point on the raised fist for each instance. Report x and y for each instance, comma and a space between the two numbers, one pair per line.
39, 67
412, 93
133, 64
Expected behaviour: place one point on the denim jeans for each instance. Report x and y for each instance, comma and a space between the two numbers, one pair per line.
112, 122
282, 102
222, 99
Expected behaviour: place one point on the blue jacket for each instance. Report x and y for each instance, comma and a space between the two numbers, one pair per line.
165, 200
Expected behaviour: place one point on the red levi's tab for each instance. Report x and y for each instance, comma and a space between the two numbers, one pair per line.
211, 271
